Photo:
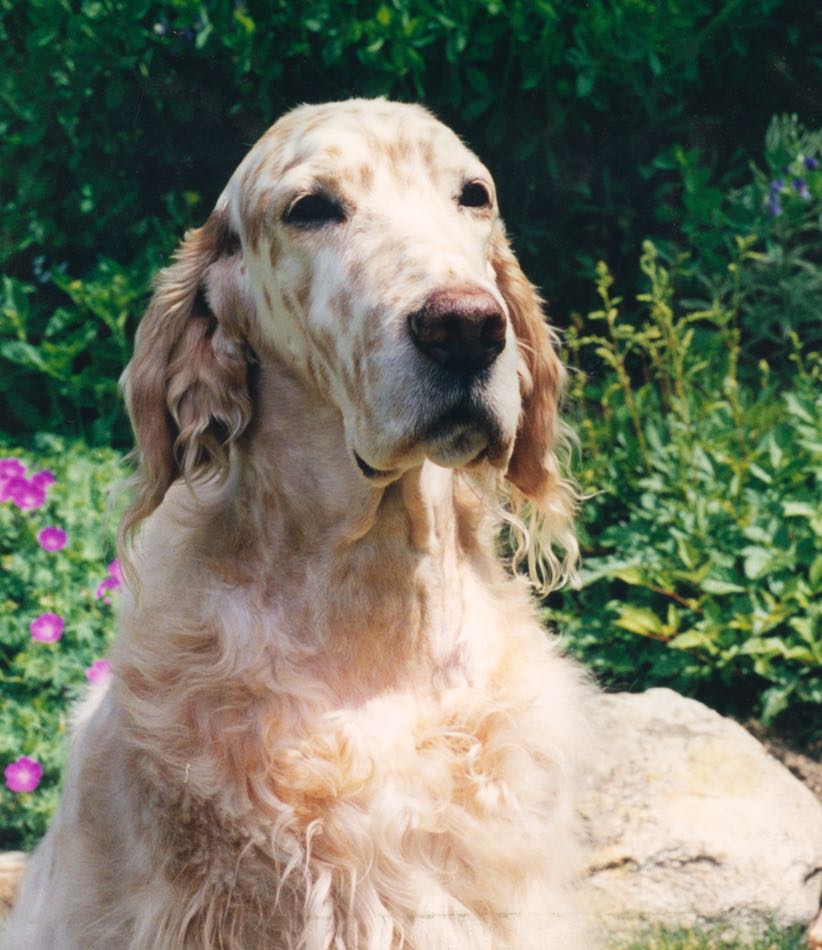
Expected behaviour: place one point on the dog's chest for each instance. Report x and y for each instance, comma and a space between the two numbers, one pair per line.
410, 780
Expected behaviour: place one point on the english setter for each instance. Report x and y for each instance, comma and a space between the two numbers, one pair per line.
334, 719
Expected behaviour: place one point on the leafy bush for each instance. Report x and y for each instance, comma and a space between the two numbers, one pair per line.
60, 366
120, 122
55, 613
703, 538
779, 292
704, 546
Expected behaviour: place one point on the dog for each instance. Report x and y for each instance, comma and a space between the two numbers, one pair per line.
334, 719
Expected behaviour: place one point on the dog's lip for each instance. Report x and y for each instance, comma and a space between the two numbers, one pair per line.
376, 476
365, 468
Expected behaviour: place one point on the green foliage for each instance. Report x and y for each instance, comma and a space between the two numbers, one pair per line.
704, 545
60, 366
780, 210
717, 938
39, 680
699, 414
120, 122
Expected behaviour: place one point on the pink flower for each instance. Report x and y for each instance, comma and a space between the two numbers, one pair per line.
12, 468
9, 469
98, 672
113, 581
52, 538
23, 775
108, 583
47, 628
23, 493
43, 479
114, 572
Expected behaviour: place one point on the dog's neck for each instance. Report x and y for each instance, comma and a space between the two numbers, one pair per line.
371, 578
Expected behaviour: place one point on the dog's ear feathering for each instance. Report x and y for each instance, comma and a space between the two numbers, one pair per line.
542, 500
186, 387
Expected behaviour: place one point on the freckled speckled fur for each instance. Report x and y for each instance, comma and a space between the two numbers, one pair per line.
334, 719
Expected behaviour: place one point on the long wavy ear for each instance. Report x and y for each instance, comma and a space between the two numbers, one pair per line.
186, 387
542, 500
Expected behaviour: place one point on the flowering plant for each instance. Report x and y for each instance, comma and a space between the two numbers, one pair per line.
57, 588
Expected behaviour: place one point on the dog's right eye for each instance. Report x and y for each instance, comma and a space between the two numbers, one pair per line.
314, 210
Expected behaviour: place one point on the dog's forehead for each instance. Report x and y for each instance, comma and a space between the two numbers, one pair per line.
348, 137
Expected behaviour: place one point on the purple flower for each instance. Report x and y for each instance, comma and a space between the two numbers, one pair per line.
777, 185
773, 205
24, 493
800, 186
47, 628
52, 538
113, 581
43, 479
811, 163
23, 775
98, 672
11, 468
108, 583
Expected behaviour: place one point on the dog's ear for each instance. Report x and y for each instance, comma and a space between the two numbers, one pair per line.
541, 373
534, 468
186, 387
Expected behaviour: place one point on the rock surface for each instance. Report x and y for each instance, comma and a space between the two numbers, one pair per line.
694, 824
11, 870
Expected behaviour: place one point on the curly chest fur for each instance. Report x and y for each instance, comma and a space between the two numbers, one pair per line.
408, 816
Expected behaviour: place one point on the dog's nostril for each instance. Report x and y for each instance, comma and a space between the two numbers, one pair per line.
464, 332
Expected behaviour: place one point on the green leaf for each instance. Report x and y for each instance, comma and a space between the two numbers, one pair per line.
693, 640
797, 409
584, 85
760, 473
24, 354
712, 585
757, 562
774, 701
639, 620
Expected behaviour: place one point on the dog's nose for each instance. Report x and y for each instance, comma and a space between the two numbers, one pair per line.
463, 331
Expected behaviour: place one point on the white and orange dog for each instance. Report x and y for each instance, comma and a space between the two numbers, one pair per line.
334, 719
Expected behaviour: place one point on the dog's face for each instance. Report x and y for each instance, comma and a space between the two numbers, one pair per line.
362, 242
367, 231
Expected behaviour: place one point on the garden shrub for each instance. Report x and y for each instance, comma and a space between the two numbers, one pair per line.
703, 543
57, 586
698, 408
779, 292
120, 122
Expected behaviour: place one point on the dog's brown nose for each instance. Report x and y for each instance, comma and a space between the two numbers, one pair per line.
463, 331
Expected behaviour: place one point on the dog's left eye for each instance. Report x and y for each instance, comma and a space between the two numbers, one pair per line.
474, 194
314, 210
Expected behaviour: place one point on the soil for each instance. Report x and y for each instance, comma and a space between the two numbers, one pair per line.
806, 765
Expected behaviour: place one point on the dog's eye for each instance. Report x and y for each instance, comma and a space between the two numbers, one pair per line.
474, 195
314, 210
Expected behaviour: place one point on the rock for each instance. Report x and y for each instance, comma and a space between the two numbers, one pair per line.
694, 824
11, 871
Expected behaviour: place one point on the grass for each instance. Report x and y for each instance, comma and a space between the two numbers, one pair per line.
722, 938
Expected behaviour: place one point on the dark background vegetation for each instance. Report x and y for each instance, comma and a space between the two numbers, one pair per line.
658, 168
120, 121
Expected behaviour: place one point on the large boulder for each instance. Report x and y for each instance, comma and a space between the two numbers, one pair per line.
11, 871
694, 824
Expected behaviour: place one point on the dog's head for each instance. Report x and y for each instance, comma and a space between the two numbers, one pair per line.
361, 242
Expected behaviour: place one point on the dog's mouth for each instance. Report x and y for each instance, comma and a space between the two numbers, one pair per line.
370, 473
460, 437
